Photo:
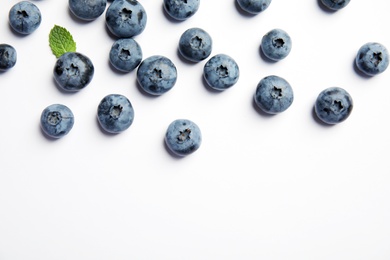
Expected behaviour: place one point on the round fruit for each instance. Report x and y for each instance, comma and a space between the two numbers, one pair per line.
115, 113
183, 137
333, 105
273, 95
221, 72
57, 120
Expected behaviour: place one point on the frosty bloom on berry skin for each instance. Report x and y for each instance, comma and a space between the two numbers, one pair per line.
221, 72
195, 44
24, 17
8, 57
126, 18
333, 105
57, 120
273, 95
181, 10
87, 10
372, 58
254, 6
335, 4
157, 75
183, 137
115, 113
276, 44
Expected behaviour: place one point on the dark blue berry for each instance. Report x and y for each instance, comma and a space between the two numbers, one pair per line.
183, 137
57, 120
8, 57
115, 113
24, 17
73, 71
333, 105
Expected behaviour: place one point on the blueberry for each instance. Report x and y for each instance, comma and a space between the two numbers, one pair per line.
254, 6
181, 9
273, 94
221, 72
125, 54
333, 105
115, 113
126, 18
73, 71
156, 75
87, 10
195, 44
276, 44
7, 57
372, 59
57, 120
24, 17
335, 4
183, 137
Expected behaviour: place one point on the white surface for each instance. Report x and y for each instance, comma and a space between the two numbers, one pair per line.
260, 187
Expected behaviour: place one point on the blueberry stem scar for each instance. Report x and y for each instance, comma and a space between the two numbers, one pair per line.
125, 14
196, 42
276, 92
22, 13
124, 54
184, 135
54, 118
116, 111
73, 70
338, 105
279, 42
377, 57
222, 71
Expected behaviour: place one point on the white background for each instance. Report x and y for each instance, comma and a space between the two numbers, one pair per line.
260, 187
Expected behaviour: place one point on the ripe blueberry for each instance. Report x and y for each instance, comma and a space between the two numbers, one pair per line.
87, 10
24, 17
57, 120
181, 9
333, 105
125, 54
276, 44
115, 113
221, 72
273, 94
156, 75
8, 57
372, 58
73, 71
183, 137
126, 18
254, 6
195, 44
335, 4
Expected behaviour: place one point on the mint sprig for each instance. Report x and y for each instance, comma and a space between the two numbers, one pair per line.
61, 41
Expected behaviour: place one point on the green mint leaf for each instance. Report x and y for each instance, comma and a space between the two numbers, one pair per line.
61, 41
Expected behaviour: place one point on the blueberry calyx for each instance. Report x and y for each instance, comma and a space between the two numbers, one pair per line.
376, 58
278, 42
196, 42
22, 14
54, 118
336, 107
184, 135
333, 105
222, 71
125, 14
156, 75
277, 93
73, 70
124, 54
115, 111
